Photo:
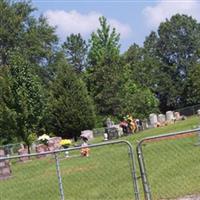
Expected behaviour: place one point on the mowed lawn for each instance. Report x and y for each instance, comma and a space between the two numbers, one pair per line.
173, 169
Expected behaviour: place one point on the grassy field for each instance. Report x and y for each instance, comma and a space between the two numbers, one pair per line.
172, 168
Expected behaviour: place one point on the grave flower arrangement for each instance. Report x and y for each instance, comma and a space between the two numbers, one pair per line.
65, 143
44, 139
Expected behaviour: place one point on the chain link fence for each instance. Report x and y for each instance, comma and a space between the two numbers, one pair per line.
30, 178
170, 165
188, 111
169, 169
108, 173
11, 149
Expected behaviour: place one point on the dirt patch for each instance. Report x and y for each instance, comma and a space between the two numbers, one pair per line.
170, 137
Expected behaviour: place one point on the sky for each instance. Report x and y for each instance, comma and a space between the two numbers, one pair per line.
133, 19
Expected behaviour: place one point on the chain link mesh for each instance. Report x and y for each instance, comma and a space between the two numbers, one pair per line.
173, 166
32, 179
105, 174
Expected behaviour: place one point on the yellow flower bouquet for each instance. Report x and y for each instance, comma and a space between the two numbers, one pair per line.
65, 143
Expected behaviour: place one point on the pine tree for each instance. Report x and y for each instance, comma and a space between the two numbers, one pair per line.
71, 109
104, 69
75, 50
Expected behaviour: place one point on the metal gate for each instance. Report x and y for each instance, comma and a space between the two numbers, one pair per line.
170, 165
64, 174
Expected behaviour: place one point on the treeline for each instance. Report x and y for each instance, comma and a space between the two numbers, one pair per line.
48, 87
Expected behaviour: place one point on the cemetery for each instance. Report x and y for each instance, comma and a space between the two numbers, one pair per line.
97, 104
11, 170
112, 131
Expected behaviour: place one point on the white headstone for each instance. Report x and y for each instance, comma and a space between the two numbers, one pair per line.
169, 115
153, 119
198, 112
161, 118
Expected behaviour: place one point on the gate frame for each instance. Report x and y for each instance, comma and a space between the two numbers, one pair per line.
140, 156
131, 160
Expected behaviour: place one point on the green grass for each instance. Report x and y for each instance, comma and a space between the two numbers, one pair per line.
172, 167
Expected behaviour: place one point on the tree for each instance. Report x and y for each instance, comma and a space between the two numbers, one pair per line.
71, 109
193, 86
177, 49
104, 43
104, 68
141, 66
139, 83
20, 31
22, 106
75, 49
136, 98
137, 101
7, 116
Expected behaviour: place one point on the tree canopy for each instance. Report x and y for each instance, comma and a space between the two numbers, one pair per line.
22, 102
71, 108
176, 47
64, 87
104, 68
75, 49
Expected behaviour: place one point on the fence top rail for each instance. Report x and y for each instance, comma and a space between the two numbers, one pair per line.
168, 135
10, 145
68, 149
187, 107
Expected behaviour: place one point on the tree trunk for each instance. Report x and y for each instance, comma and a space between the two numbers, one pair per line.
29, 151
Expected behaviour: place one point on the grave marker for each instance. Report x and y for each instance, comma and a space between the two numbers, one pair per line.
5, 171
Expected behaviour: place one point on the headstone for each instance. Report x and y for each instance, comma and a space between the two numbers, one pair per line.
145, 124
170, 116
198, 112
153, 119
5, 171
177, 116
41, 148
161, 118
21, 152
54, 143
112, 133
119, 129
109, 123
87, 134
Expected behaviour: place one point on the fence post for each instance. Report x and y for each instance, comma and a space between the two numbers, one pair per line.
193, 109
133, 168
59, 177
146, 187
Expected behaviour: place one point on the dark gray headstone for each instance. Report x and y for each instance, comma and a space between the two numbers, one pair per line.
112, 133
